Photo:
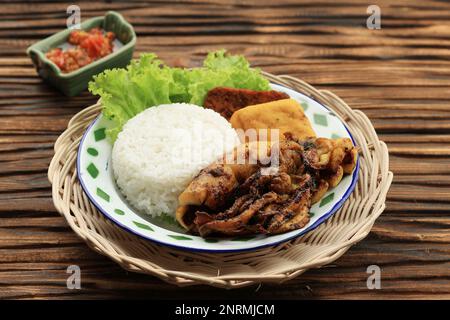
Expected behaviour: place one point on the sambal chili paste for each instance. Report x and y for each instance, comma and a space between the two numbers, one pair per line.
88, 46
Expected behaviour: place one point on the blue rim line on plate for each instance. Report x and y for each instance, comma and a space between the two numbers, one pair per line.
319, 221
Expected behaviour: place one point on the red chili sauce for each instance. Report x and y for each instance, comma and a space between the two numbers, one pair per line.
89, 46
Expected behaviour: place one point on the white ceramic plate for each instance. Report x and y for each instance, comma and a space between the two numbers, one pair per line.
96, 177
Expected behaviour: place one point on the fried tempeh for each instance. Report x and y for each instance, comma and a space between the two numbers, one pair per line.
228, 100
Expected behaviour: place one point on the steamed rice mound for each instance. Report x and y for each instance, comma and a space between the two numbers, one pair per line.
163, 148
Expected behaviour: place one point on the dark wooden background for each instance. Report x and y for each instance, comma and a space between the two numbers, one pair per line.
399, 76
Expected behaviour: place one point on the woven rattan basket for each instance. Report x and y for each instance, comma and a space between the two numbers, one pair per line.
229, 270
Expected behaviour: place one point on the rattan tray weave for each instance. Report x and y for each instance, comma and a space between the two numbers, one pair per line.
229, 270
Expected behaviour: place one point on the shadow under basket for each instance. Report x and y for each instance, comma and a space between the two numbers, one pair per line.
276, 264
72, 83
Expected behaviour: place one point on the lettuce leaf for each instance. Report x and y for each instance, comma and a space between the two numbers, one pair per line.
147, 82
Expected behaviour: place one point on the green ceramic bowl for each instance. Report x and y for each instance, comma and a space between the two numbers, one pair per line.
74, 82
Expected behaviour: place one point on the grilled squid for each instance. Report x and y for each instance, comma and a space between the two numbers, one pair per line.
229, 198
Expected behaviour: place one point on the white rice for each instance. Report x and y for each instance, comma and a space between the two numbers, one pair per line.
161, 149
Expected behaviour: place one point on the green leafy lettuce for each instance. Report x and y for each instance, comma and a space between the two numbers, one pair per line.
147, 82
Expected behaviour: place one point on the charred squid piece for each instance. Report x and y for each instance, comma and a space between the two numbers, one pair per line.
349, 161
290, 157
187, 216
333, 178
319, 191
210, 188
256, 184
299, 201
341, 148
330, 154
245, 160
266, 213
300, 220
184, 218
281, 183
238, 206
269, 210
259, 184
230, 226
317, 153
302, 181
202, 217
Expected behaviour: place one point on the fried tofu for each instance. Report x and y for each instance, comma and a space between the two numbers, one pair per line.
285, 115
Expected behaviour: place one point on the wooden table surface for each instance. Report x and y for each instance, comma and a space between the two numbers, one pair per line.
398, 75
